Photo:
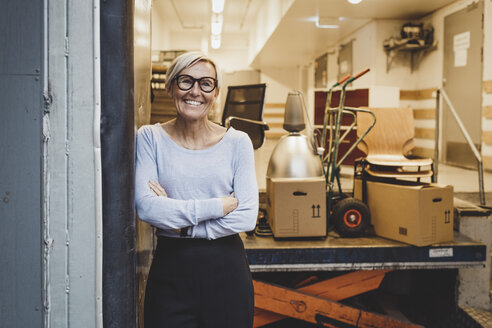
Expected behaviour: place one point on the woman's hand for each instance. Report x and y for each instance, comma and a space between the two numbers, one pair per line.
157, 189
229, 204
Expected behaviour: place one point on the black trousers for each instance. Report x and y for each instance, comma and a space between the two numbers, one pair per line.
199, 283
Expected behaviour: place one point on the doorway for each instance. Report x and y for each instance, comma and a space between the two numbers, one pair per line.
462, 81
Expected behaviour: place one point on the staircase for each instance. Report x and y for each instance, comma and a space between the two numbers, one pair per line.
273, 114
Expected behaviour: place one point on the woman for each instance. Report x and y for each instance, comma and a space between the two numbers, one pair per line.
196, 183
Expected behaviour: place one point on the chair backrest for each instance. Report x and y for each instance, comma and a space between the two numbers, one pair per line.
393, 133
246, 101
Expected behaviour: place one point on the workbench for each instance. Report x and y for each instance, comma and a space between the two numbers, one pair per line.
266, 254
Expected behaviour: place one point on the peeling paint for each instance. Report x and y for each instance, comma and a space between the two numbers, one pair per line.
46, 127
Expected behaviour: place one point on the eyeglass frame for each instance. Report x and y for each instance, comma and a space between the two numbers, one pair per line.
194, 81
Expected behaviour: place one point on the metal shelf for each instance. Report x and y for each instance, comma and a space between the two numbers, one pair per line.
417, 52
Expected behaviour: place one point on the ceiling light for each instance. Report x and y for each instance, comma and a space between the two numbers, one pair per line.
215, 41
354, 2
217, 6
216, 27
327, 22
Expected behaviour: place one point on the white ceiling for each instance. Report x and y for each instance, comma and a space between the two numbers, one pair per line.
296, 34
185, 15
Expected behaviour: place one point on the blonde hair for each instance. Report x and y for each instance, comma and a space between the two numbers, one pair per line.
186, 60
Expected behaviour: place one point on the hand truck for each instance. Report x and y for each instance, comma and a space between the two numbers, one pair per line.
349, 216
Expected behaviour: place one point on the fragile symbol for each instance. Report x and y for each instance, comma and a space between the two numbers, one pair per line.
315, 214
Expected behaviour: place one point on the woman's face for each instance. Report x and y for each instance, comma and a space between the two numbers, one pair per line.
194, 104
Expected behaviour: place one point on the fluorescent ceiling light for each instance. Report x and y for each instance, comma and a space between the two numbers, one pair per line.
215, 41
354, 2
327, 22
217, 6
217, 20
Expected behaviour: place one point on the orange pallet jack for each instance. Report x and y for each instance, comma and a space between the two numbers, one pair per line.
316, 303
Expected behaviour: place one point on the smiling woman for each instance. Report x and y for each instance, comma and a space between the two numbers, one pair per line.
195, 182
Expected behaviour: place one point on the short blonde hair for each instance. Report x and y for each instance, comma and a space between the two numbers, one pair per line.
186, 60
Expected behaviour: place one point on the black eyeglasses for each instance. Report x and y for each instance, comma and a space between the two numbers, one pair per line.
186, 82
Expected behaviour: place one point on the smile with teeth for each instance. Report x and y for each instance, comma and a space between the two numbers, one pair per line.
193, 102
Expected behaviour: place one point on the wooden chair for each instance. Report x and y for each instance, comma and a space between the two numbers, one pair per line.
243, 110
387, 145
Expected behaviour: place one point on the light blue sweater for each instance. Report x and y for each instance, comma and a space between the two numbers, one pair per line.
195, 180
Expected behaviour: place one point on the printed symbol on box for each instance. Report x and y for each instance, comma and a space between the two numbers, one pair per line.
315, 211
402, 231
447, 216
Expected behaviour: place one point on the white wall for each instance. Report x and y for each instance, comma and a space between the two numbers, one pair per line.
487, 71
280, 81
368, 52
399, 71
269, 16
160, 33
487, 49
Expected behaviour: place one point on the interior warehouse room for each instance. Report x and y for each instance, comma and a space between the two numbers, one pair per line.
270, 163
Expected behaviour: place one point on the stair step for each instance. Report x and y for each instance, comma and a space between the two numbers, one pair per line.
274, 105
275, 125
273, 114
275, 134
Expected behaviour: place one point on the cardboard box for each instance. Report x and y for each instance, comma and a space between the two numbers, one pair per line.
415, 213
296, 207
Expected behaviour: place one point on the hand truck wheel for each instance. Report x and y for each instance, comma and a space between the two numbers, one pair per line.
351, 217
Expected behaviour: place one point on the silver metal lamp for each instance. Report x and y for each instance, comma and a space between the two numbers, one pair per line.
293, 156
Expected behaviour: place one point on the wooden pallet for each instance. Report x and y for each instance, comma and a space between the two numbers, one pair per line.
316, 303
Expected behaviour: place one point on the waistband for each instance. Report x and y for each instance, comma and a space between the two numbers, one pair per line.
178, 240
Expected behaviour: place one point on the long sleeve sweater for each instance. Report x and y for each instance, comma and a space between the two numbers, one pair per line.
194, 181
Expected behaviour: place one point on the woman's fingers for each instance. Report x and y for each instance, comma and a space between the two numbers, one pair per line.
153, 188
157, 189
229, 204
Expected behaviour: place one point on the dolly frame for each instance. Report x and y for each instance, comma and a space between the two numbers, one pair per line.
333, 119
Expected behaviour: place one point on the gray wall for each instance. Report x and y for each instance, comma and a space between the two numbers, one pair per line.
20, 163
47, 171
69, 161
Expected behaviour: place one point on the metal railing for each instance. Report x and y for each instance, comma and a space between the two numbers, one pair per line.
474, 149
